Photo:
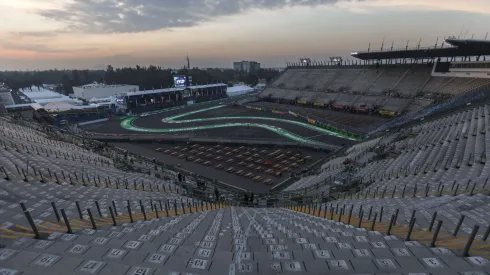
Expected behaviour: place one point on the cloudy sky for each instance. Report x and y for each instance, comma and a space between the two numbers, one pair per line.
41, 34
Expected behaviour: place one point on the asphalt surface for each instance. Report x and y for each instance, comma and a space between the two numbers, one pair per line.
155, 121
361, 122
148, 150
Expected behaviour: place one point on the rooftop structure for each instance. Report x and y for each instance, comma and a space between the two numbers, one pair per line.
457, 48
96, 90
44, 96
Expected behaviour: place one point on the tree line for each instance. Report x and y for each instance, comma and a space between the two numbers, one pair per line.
146, 78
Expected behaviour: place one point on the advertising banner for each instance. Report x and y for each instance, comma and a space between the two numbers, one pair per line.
278, 112
254, 108
337, 106
319, 104
386, 113
301, 101
363, 110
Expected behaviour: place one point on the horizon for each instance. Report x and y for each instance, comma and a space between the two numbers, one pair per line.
90, 34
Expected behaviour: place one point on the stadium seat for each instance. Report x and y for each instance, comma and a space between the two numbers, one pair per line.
67, 207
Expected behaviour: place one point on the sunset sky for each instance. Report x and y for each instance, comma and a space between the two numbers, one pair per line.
89, 34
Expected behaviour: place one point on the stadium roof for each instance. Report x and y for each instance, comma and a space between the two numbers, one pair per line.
469, 43
459, 47
61, 99
64, 106
43, 96
238, 90
169, 90
13, 106
101, 85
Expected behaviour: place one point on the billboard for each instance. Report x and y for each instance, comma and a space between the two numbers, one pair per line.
179, 81
387, 113
364, 110
278, 112
254, 108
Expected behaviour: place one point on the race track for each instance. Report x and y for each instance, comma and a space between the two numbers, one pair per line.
173, 124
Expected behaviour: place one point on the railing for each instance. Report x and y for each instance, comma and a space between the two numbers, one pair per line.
117, 155
193, 139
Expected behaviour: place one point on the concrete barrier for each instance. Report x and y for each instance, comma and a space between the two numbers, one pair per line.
92, 121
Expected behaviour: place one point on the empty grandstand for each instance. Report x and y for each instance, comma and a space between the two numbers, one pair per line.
397, 183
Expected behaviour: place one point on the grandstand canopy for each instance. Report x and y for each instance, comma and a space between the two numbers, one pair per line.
472, 44
459, 47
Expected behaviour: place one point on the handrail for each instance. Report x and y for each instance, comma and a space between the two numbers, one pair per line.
187, 138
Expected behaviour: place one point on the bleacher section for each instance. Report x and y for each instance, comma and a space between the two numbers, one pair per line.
394, 88
232, 241
413, 81
431, 172
386, 80
33, 154
434, 153
73, 212
406, 80
344, 99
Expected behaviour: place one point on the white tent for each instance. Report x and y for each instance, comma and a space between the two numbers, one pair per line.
238, 90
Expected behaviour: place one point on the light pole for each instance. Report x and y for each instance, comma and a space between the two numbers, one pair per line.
27, 164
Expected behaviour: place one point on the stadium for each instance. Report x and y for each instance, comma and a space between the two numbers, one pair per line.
372, 166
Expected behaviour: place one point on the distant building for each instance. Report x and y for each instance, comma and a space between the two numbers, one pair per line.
246, 66
96, 90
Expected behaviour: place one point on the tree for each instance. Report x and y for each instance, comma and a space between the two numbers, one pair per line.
76, 78
67, 85
151, 77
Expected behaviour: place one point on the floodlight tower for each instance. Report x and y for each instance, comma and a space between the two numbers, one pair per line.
305, 61
187, 70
